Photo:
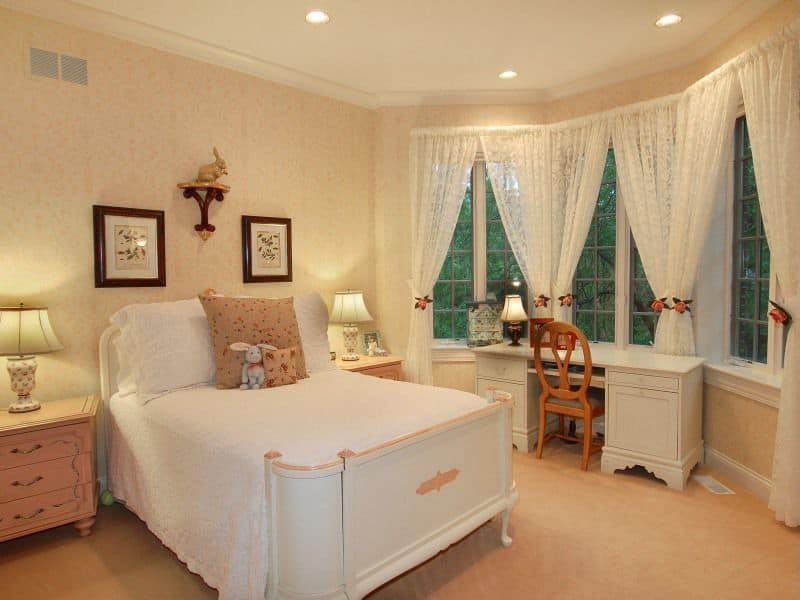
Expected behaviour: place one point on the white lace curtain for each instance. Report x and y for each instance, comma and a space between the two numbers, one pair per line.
518, 166
440, 170
644, 150
546, 182
770, 81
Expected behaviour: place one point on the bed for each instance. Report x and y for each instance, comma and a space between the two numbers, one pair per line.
323, 489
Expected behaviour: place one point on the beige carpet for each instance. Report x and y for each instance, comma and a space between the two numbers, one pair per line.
576, 535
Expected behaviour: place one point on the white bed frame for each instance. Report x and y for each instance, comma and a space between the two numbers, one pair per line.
341, 529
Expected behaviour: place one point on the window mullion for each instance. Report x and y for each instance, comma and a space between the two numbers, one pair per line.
622, 274
479, 230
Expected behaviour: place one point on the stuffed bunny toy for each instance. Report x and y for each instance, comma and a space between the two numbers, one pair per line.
253, 368
211, 172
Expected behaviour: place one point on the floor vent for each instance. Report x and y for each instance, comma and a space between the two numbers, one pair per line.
44, 63
712, 485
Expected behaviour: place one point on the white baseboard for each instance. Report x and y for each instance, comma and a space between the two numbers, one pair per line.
738, 473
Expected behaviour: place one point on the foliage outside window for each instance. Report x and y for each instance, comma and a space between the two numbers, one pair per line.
595, 280
454, 287
643, 320
469, 272
751, 259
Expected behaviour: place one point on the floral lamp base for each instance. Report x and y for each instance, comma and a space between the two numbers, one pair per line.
22, 371
350, 338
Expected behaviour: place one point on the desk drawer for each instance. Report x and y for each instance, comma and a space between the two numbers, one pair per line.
517, 392
502, 368
45, 444
653, 382
38, 478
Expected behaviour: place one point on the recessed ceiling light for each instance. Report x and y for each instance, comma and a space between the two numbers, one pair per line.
317, 17
508, 74
670, 19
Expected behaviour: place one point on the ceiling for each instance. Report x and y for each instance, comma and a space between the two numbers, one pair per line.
388, 52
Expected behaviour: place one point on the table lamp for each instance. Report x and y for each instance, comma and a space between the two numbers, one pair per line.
513, 314
349, 309
25, 331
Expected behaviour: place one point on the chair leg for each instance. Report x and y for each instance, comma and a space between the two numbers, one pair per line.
587, 441
561, 424
542, 425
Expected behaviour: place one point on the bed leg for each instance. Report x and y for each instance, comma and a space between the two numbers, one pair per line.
504, 537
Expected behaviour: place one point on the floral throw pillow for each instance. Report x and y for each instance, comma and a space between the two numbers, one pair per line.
280, 367
253, 321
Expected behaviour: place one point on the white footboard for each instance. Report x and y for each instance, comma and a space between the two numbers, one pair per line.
343, 529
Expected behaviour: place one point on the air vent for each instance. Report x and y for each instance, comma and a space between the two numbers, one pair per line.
713, 485
45, 63
74, 69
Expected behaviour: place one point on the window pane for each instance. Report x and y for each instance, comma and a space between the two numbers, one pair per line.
453, 287
748, 177
751, 260
502, 270
644, 329
495, 236
495, 266
585, 268
643, 320
460, 325
594, 284
605, 263
761, 353
442, 324
605, 327
462, 266
462, 238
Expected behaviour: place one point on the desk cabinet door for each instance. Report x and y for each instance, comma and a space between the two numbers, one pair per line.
643, 420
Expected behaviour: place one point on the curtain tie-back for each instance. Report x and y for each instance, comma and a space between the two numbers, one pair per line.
779, 314
681, 306
567, 299
422, 303
541, 301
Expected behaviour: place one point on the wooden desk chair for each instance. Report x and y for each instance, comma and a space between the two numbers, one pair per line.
564, 399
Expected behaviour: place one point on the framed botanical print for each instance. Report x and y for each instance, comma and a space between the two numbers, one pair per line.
266, 249
128, 247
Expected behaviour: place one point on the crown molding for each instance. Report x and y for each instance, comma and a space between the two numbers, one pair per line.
78, 15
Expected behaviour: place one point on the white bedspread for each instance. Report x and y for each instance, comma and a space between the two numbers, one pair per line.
191, 463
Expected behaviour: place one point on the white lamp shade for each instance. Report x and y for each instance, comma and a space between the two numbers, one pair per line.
25, 331
513, 309
349, 307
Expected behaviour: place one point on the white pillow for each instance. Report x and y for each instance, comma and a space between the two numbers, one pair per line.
164, 346
312, 321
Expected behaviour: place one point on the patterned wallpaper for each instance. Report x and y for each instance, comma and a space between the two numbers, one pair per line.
145, 122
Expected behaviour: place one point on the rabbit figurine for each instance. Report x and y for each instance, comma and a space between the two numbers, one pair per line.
253, 368
213, 171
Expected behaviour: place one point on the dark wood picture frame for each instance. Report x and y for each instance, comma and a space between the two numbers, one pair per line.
101, 276
247, 258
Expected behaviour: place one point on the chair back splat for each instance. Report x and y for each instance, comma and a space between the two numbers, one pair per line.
565, 398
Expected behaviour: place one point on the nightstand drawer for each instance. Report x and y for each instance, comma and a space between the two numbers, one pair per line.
37, 510
388, 372
38, 478
501, 368
45, 444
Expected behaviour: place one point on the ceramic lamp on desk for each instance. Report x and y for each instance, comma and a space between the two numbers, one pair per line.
349, 309
513, 314
24, 332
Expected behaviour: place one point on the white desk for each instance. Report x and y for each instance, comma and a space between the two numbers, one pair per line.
654, 404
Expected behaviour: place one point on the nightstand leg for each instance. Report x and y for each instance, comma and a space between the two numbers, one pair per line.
84, 526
